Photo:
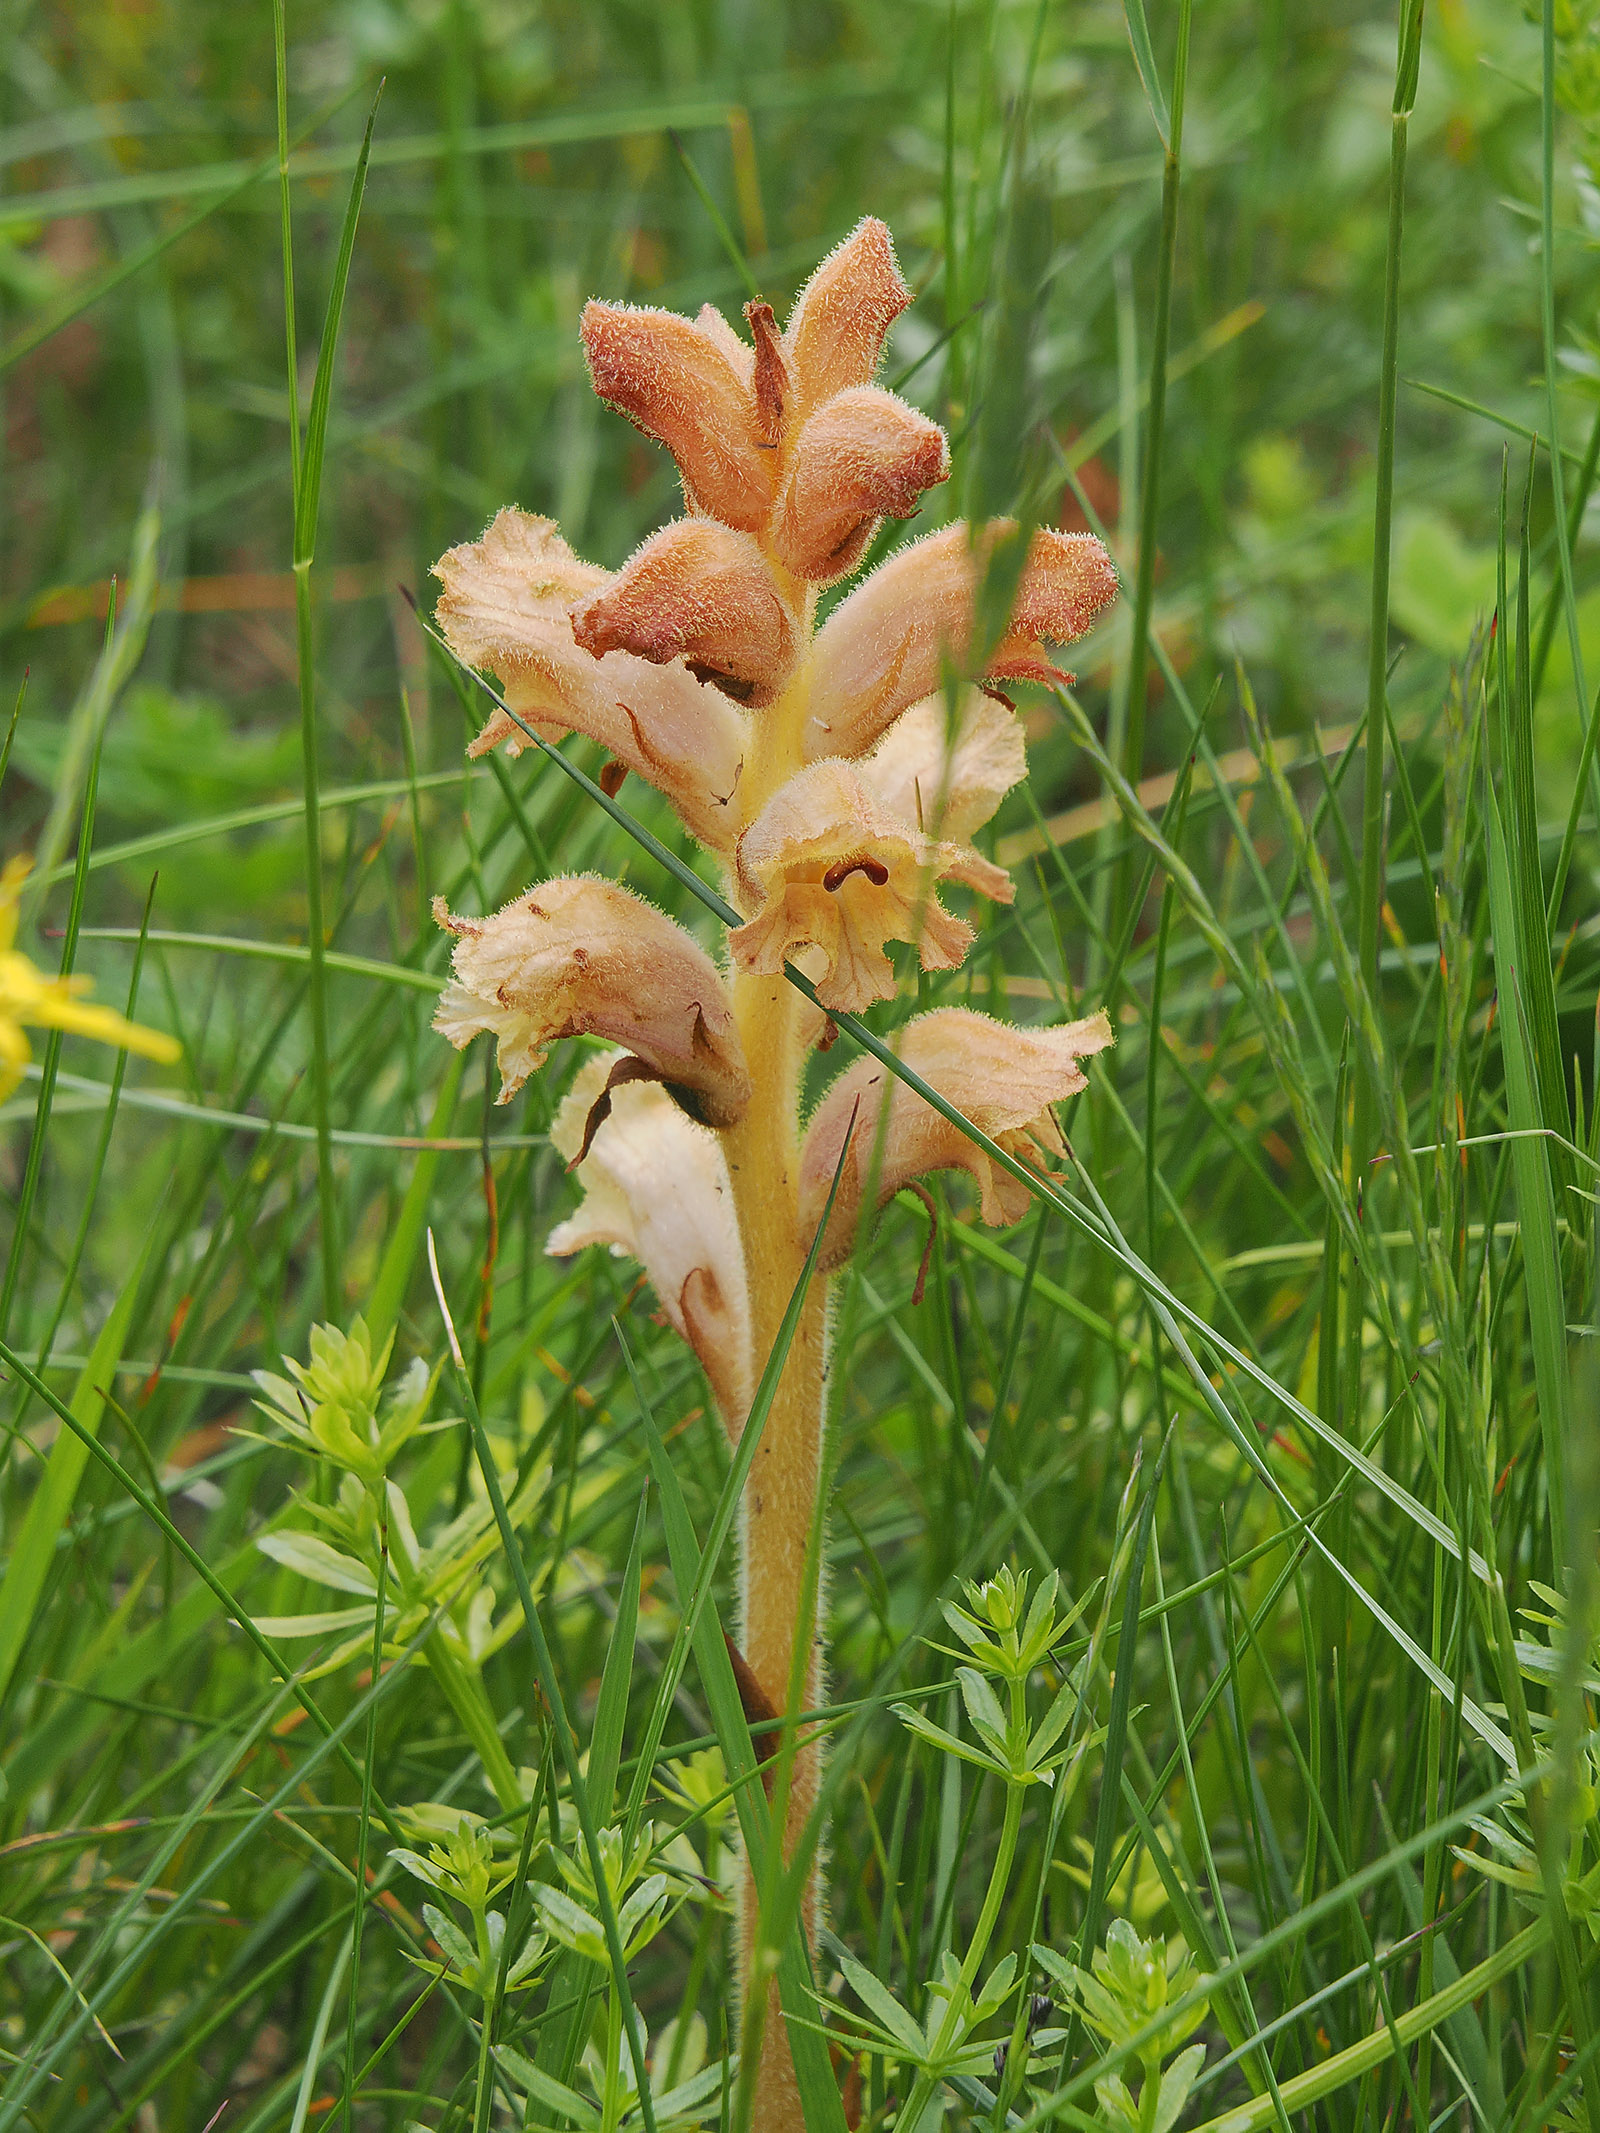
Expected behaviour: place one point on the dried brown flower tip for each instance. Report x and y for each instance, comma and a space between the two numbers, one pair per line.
580, 956
1003, 1080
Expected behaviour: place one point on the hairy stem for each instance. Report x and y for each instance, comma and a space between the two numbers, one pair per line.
780, 1495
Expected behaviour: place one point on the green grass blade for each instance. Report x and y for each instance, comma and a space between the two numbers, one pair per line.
29, 1563
1536, 1207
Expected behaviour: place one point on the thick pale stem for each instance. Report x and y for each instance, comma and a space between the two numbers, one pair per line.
780, 1496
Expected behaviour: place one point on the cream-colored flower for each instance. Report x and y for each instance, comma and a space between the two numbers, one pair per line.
699, 592
27, 995
1003, 1079
579, 956
884, 648
949, 782
505, 607
656, 1189
826, 864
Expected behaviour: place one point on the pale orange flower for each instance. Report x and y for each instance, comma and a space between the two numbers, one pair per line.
505, 608
950, 782
1004, 1080
825, 864
699, 592
886, 646
579, 956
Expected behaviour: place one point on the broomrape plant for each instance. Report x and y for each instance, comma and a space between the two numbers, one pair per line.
838, 775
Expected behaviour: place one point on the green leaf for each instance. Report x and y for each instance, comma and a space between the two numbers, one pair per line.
874, 1994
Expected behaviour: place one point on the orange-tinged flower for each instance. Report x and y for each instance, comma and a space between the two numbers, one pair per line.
579, 956
1003, 1079
681, 382
785, 439
27, 996
863, 456
884, 648
505, 608
825, 864
836, 331
950, 781
699, 592
656, 1189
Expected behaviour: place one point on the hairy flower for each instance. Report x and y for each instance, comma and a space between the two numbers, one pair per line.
836, 331
28, 996
699, 592
884, 648
949, 781
825, 864
579, 956
506, 608
863, 456
782, 437
1004, 1080
687, 383
656, 1189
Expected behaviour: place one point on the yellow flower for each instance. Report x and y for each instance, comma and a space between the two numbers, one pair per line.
28, 996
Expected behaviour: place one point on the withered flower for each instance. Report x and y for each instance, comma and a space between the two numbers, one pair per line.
1003, 1079
826, 864
506, 608
579, 956
656, 1189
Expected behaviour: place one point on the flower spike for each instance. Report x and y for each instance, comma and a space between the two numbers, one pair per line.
884, 647
825, 864
656, 1189
579, 956
505, 608
1003, 1079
